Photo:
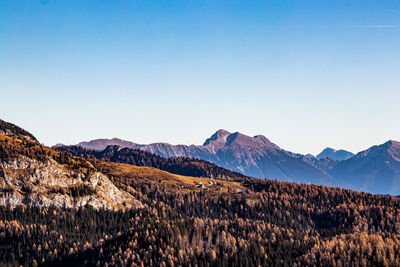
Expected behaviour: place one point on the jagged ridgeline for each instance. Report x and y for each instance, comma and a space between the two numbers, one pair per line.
179, 165
65, 210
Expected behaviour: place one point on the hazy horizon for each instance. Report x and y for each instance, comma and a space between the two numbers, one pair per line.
307, 75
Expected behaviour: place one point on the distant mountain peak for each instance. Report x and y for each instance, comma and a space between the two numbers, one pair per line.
222, 132
258, 142
329, 149
259, 136
376, 169
234, 137
219, 136
392, 143
263, 139
339, 154
100, 144
240, 139
393, 149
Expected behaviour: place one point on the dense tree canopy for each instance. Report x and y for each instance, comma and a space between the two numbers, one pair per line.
265, 223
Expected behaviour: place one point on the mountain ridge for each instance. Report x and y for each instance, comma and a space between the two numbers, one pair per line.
62, 212
258, 157
377, 167
253, 156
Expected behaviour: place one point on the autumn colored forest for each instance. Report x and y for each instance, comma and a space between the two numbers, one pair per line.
191, 213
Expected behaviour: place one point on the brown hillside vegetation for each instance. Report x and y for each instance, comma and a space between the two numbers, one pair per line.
173, 221
36, 175
177, 165
16, 132
130, 174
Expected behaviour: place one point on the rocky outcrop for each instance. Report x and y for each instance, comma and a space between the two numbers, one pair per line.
16, 132
32, 182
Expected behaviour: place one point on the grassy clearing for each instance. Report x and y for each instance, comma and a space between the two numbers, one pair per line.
153, 175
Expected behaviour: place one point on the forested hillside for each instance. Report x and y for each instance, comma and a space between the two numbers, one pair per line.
270, 223
182, 220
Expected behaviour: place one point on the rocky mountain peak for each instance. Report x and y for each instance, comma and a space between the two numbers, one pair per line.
393, 149
240, 139
392, 143
340, 154
389, 148
261, 137
101, 144
265, 141
258, 141
218, 138
329, 149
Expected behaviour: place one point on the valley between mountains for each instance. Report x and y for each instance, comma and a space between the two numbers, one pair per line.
115, 203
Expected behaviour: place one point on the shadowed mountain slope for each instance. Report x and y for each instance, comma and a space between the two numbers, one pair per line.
180, 165
253, 156
376, 169
258, 157
335, 154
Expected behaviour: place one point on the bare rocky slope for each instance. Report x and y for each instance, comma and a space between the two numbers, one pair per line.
31, 174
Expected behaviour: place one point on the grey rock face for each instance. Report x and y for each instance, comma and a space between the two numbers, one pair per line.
32, 182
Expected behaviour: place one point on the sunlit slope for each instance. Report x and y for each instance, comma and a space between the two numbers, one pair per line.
31, 174
127, 173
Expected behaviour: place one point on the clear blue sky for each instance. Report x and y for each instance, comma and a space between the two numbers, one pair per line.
306, 74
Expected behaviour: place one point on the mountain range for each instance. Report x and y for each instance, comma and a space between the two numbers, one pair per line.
253, 156
375, 170
73, 206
